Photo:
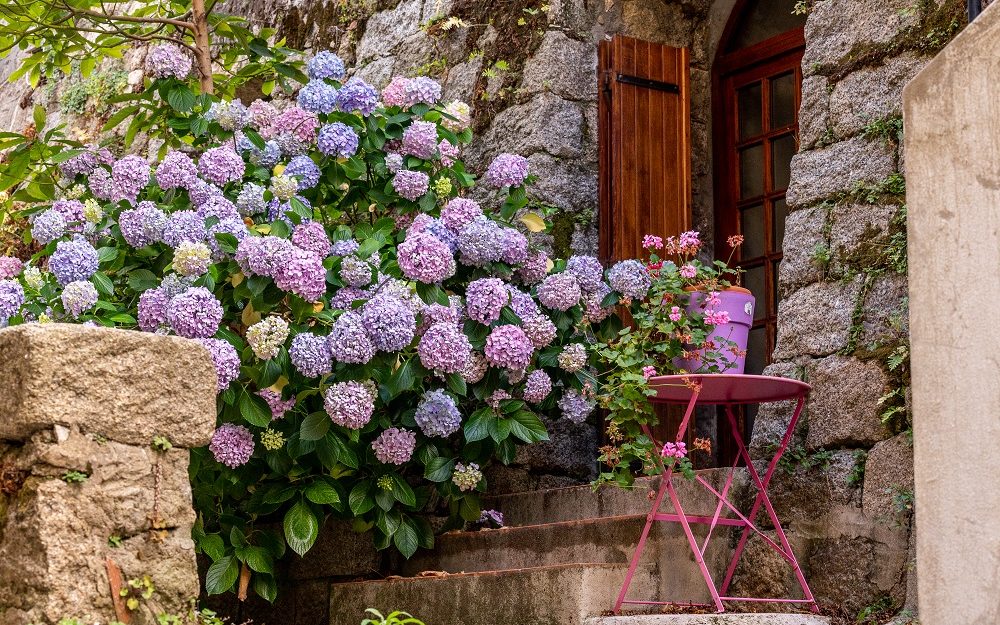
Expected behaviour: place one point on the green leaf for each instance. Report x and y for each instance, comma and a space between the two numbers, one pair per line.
221, 575
258, 559
402, 491
457, 384
38, 116
301, 528
406, 538
402, 380
478, 426
321, 492
266, 587
439, 469
212, 546
360, 500
181, 98
526, 425
315, 426
106, 254
103, 283
254, 409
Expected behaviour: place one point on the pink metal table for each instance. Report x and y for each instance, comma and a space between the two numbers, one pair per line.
726, 390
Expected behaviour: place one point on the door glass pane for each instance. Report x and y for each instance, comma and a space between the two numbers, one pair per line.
751, 123
752, 228
752, 171
778, 220
782, 100
755, 280
782, 150
756, 351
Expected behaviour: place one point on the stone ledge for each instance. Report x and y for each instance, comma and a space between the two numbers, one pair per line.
711, 619
127, 386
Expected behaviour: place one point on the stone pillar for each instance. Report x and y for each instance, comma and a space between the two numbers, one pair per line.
84, 493
952, 115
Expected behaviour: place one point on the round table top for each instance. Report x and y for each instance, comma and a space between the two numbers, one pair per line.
726, 388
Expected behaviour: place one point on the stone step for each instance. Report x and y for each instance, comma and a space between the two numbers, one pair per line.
548, 595
711, 619
607, 540
583, 502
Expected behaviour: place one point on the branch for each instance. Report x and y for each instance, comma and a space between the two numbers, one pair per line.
129, 18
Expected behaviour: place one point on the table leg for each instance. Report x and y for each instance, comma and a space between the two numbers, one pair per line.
665, 485
693, 542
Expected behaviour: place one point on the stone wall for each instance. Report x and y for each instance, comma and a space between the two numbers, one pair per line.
84, 493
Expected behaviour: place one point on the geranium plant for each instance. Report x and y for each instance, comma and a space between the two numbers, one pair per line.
664, 337
379, 336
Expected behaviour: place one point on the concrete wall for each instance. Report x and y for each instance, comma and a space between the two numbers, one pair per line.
952, 113
80, 484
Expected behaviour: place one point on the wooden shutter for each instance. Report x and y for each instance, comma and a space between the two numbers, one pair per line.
645, 144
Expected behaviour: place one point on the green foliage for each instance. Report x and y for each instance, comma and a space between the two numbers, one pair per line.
115, 541
857, 475
821, 256
876, 613
74, 477
162, 444
394, 618
137, 590
887, 130
93, 94
798, 457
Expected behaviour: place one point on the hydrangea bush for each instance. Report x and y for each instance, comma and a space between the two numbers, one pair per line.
378, 335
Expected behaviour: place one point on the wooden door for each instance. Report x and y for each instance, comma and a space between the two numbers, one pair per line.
645, 144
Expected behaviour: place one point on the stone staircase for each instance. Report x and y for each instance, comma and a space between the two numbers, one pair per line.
560, 560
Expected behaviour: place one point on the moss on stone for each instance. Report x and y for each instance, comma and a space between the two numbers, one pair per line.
562, 228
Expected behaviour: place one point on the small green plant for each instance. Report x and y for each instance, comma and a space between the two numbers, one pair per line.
798, 457
877, 612
902, 499
74, 477
136, 589
802, 7
115, 541
162, 444
888, 130
821, 256
394, 618
857, 475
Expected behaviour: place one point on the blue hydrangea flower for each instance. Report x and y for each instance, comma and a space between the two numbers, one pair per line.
11, 298
630, 278
73, 260
348, 340
195, 313
318, 97
48, 226
325, 65
337, 139
304, 170
357, 95
390, 322
310, 355
437, 414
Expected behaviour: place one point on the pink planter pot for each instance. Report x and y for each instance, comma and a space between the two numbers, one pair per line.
739, 303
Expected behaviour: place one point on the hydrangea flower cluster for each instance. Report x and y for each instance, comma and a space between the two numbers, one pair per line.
232, 445
466, 476
573, 357
537, 387
79, 296
73, 260
630, 278
444, 348
226, 360
508, 347
267, 336
394, 446
310, 355
350, 404
425, 258
437, 414
507, 170
348, 341
168, 61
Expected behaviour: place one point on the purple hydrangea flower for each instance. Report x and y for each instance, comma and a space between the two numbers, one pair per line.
232, 445
221, 164
168, 61
176, 171
11, 298
48, 226
231, 116
513, 247
295, 122
184, 226
593, 307
357, 95
350, 404
344, 298
391, 324
277, 405
540, 330
537, 387
355, 271
202, 192
128, 176
425, 258
437, 414
522, 303
559, 291
421, 90
72, 210
304, 170
301, 272
250, 201
588, 271
443, 348
394, 162
459, 212
262, 255
439, 313
325, 64
344, 247
261, 114
78, 297
425, 223
420, 139
506, 170
153, 309
195, 313
449, 152
310, 355
535, 268
348, 341
226, 225
10, 267
508, 347
337, 139
219, 207
479, 242
475, 369
491, 518
630, 278
485, 299
73, 260
575, 407
411, 184
311, 235
101, 184
226, 360
85, 162
394, 446
317, 96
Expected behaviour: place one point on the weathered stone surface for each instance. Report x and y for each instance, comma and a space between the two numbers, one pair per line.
563, 66
885, 318
816, 320
834, 27
54, 534
379, 72
871, 93
339, 552
808, 493
460, 82
570, 450
546, 123
852, 572
762, 572
843, 405
387, 29
818, 174
569, 184
857, 235
888, 472
814, 111
804, 231
127, 386
772, 420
